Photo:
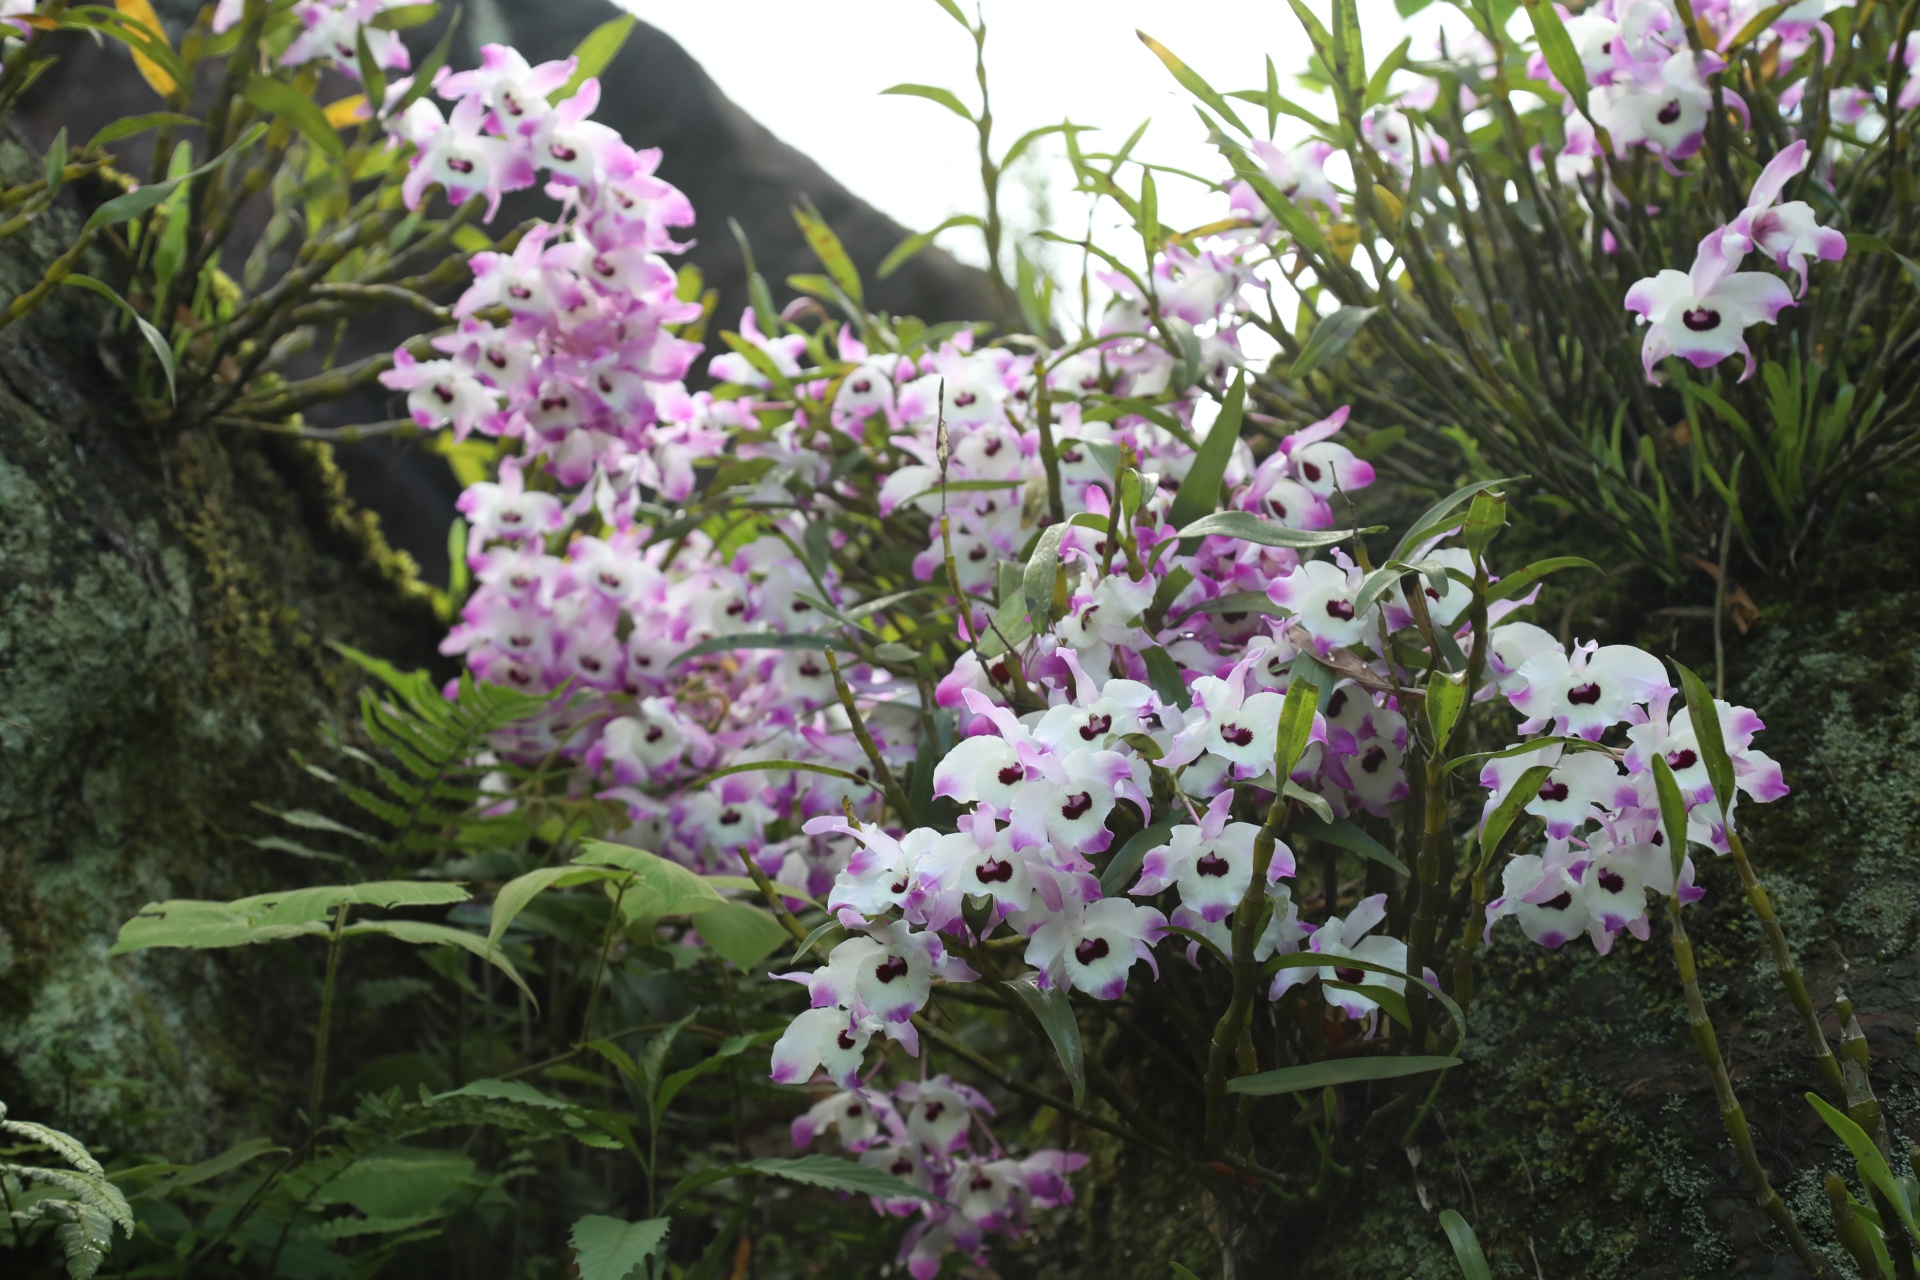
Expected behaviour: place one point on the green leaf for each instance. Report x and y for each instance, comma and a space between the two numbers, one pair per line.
1486, 516
268, 917
1673, 813
1182, 1273
398, 1181
741, 932
1199, 492
1164, 673
125, 208
1296, 723
1329, 338
755, 640
730, 1048
1349, 53
1054, 1012
1440, 515
1249, 527
516, 893
1508, 811
56, 168
660, 887
1314, 801
1321, 1075
609, 1248
428, 68
596, 53
1125, 864
815, 1171
162, 350
278, 98
1344, 833
240, 1153
1705, 715
913, 245
1558, 49
421, 933
1758, 24
826, 246
1192, 83
932, 93
128, 126
1466, 1249
1514, 583
1043, 568
798, 766
1378, 83
1446, 699
1871, 1164
404, 17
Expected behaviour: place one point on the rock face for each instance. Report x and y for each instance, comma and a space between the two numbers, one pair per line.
165, 599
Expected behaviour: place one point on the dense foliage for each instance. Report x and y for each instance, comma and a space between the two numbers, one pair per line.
1037, 699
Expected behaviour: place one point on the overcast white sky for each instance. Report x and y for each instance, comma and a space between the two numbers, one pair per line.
813, 74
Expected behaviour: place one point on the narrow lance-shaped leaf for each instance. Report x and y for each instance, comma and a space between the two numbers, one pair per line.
914, 244
1446, 698
1563, 59
1321, 1075
162, 351
1871, 1164
1192, 82
1705, 715
141, 13
1440, 516
1328, 339
278, 98
1296, 723
1251, 528
826, 246
138, 201
595, 54
1466, 1248
1054, 1012
1508, 811
1673, 813
1199, 492
932, 93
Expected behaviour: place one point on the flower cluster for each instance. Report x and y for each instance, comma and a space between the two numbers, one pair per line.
1701, 315
933, 1134
332, 32
1606, 844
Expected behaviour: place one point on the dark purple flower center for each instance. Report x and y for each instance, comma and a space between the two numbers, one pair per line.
730, 817
1584, 695
1341, 609
1554, 792
564, 154
847, 1042
965, 398
863, 386
1669, 113
981, 1182
1612, 881
934, 1110
1311, 470
1352, 977
1091, 949
1701, 320
1560, 903
655, 733
1375, 757
1336, 704
1095, 726
1076, 806
1011, 774
1211, 864
993, 871
890, 968
1682, 759
459, 164
1238, 735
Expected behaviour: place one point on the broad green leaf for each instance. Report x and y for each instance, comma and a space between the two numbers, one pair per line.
826, 246
1466, 1249
240, 1153
421, 933
1329, 338
610, 1248
741, 932
1871, 1164
1249, 527
278, 98
1345, 833
932, 93
1182, 1273
730, 1048
516, 893
1055, 1014
595, 54
1314, 801
1199, 492
398, 1181
1705, 715
754, 640
1486, 516
660, 887
162, 350
1190, 81
1125, 864
1164, 673
1440, 516
124, 208
1558, 49
1446, 699
404, 17
1320, 1075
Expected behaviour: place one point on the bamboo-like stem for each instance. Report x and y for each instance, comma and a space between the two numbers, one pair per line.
57, 270
1247, 920
881, 774
1731, 1114
1784, 962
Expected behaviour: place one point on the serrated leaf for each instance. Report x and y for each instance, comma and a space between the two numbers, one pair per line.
595, 53
1328, 339
660, 888
610, 1248
1322, 1075
1199, 492
1054, 1012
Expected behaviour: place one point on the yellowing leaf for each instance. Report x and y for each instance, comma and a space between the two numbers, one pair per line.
1389, 201
1344, 237
348, 111
141, 12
